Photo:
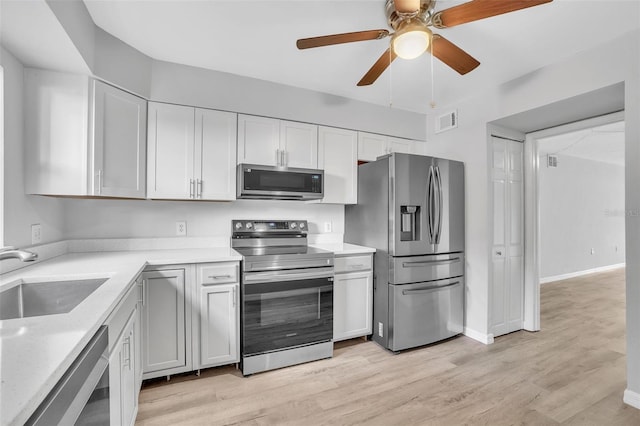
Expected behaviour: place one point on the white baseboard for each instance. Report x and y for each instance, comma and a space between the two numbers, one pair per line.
487, 339
580, 273
631, 398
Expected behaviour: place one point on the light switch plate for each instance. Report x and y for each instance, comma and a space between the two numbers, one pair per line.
327, 227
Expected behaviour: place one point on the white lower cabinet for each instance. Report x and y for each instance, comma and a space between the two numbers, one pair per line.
217, 320
123, 329
352, 297
122, 377
165, 340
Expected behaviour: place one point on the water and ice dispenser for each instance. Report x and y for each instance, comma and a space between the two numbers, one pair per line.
410, 223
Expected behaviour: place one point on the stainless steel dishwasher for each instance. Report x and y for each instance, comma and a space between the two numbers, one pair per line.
81, 396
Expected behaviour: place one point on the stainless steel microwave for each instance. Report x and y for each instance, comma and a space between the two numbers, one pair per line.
277, 183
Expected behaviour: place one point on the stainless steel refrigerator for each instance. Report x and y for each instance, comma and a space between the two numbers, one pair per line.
411, 209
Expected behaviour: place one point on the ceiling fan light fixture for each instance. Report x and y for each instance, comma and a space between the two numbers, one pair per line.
411, 40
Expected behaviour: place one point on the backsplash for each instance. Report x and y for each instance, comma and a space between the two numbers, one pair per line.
96, 218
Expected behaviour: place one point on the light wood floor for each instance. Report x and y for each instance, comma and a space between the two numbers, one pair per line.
571, 373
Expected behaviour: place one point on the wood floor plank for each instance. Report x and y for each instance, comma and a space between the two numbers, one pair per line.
572, 372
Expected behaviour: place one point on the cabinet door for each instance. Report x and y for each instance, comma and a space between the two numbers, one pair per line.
170, 151
215, 160
123, 401
258, 140
219, 324
163, 320
338, 157
119, 143
399, 145
128, 391
352, 305
299, 142
371, 146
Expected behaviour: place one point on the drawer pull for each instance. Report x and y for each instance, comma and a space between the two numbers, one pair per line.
429, 289
219, 277
429, 262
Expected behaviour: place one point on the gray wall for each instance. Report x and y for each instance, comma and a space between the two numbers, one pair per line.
581, 208
20, 210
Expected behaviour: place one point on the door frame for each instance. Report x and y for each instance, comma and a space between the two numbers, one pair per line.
532, 210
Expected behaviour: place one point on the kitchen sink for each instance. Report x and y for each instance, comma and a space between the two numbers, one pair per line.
45, 298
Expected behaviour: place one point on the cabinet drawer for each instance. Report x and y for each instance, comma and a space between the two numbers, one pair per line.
218, 273
352, 263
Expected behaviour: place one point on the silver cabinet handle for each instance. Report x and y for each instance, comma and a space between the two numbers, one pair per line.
428, 289
199, 188
127, 343
233, 296
429, 262
277, 157
100, 182
144, 291
285, 158
192, 188
219, 277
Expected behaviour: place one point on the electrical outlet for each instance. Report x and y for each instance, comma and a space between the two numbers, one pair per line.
181, 229
380, 329
327, 227
36, 233
593, 251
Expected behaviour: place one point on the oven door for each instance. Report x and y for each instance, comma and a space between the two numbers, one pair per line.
285, 310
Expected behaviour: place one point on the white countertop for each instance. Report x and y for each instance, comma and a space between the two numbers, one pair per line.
35, 352
342, 249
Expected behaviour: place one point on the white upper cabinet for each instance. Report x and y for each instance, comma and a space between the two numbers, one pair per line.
215, 159
272, 142
258, 140
371, 146
171, 151
399, 145
119, 142
299, 144
83, 137
191, 153
338, 157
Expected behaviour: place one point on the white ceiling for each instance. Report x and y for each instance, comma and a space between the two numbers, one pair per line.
602, 143
257, 39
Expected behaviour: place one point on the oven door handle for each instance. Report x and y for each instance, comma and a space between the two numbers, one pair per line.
287, 275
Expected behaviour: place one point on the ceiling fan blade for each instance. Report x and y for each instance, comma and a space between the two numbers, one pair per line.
480, 9
406, 6
452, 55
378, 68
306, 43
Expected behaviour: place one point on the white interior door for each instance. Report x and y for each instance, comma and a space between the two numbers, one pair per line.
507, 254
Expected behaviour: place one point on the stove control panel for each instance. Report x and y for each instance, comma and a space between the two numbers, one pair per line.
269, 226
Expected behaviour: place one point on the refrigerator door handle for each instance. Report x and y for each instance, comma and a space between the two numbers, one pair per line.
429, 289
438, 227
430, 213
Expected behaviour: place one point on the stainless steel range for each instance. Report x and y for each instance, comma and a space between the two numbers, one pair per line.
286, 292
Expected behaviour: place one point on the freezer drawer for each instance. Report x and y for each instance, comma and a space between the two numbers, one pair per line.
415, 269
425, 312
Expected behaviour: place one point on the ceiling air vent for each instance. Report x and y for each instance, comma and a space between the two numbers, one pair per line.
447, 121
552, 161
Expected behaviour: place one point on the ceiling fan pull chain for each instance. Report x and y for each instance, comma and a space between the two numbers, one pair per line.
433, 93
